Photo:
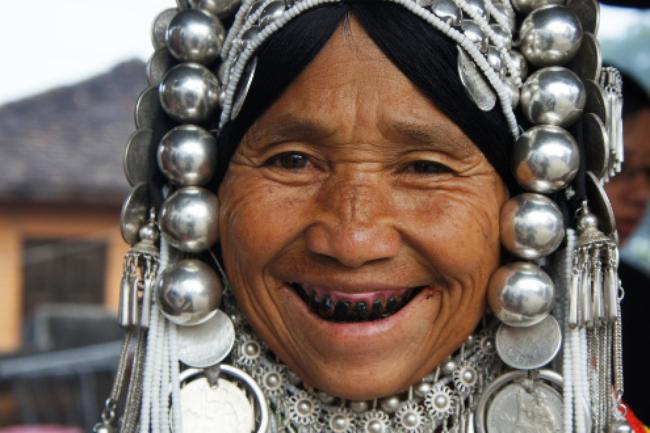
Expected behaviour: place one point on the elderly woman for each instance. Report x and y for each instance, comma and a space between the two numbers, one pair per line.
365, 164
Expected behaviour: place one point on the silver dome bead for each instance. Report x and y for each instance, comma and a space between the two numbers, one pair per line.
521, 294
527, 6
272, 12
187, 155
189, 93
532, 226
553, 96
503, 37
159, 28
545, 159
447, 11
189, 292
494, 59
550, 36
189, 219
478, 6
358, 406
422, 389
449, 366
389, 404
220, 8
195, 36
475, 34
619, 426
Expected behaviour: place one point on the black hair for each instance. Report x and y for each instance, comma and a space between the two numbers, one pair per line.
635, 96
426, 56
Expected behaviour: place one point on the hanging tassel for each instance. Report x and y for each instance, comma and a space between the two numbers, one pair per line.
139, 277
612, 82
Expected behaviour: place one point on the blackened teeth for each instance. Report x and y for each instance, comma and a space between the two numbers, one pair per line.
345, 311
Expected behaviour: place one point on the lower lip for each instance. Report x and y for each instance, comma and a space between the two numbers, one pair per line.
366, 329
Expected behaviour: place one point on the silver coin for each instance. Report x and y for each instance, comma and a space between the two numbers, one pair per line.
221, 409
600, 205
531, 347
588, 61
159, 27
160, 62
595, 99
597, 149
588, 12
207, 344
148, 110
135, 211
516, 409
138, 164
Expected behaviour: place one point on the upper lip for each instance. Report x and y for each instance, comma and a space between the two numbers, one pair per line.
348, 286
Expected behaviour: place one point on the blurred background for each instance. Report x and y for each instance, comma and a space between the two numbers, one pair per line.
71, 76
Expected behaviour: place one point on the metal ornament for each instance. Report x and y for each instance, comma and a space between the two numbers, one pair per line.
520, 294
237, 410
474, 34
135, 211
525, 407
532, 226
243, 89
159, 28
612, 83
195, 36
189, 93
207, 344
527, 6
588, 60
595, 133
159, 63
148, 112
187, 155
550, 36
545, 159
553, 96
478, 90
519, 63
189, 292
189, 219
600, 205
220, 8
588, 11
447, 11
595, 100
137, 163
531, 347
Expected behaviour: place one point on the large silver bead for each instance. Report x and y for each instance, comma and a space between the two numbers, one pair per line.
447, 11
550, 36
545, 159
189, 93
527, 6
220, 8
189, 219
532, 226
195, 36
521, 294
475, 34
553, 96
187, 155
189, 292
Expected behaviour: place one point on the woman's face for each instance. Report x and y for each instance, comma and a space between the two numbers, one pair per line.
355, 197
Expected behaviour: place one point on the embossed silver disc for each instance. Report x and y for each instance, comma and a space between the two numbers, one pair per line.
587, 61
243, 88
221, 409
160, 62
138, 161
148, 110
595, 99
596, 144
531, 347
134, 213
207, 344
588, 12
600, 205
516, 409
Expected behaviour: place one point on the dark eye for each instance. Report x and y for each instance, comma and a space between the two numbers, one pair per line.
427, 168
289, 161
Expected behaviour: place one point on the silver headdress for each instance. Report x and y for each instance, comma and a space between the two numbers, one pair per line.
201, 69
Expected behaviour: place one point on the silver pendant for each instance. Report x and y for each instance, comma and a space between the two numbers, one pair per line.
521, 402
232, 403
529, 348
207, 344
475, 85
516, 409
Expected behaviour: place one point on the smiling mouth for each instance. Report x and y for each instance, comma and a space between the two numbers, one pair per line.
337, 307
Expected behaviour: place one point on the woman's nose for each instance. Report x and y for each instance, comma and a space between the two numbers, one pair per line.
353, 225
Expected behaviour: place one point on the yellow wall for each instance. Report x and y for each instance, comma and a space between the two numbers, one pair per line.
18, 222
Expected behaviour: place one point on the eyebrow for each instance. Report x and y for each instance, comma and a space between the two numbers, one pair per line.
289, 126
431, 134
